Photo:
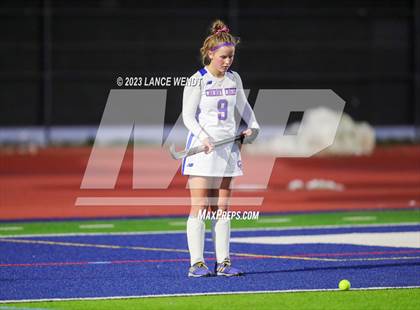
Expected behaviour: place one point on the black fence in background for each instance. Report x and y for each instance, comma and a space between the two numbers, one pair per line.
59, 59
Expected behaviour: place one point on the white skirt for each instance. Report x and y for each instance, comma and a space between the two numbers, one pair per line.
223, 161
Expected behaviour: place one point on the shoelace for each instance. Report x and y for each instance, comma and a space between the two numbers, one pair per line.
222, 266
201, 264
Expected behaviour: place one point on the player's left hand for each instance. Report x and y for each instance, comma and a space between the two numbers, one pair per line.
250, 135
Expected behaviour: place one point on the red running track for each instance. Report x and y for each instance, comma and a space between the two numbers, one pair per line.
46, 185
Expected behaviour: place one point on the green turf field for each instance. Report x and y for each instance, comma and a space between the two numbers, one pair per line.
178, 223
371, 299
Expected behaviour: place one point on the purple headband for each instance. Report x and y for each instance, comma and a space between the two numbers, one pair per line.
221, 45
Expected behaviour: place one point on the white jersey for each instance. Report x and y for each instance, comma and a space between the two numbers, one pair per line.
208, 111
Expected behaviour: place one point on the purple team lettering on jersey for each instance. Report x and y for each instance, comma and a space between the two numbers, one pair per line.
214, 92
230, 91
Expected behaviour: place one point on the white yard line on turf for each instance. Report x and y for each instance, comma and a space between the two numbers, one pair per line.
359, 218
275, 220
181, 223
396, 239
233, 229
327, 226
11, 228
207, 293
96, 226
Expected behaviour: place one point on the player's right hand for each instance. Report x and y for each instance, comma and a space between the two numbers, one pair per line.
250, 135
208, 146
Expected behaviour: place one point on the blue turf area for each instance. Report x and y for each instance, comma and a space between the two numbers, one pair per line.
105, 265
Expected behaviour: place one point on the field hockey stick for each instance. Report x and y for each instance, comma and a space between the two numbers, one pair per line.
201, 148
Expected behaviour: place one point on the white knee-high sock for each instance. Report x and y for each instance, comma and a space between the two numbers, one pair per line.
196, 229
221, 238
